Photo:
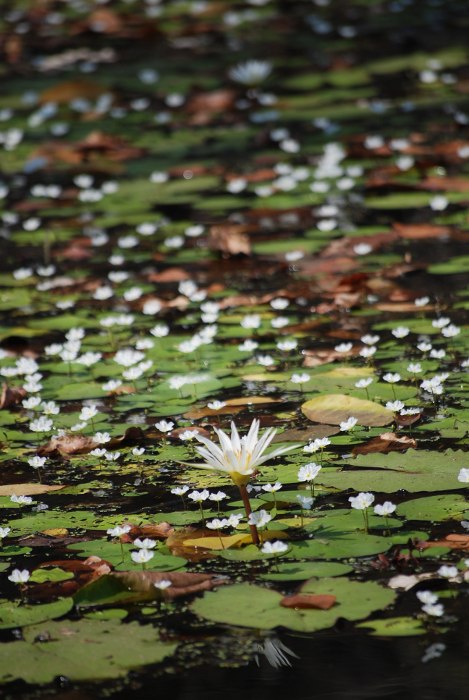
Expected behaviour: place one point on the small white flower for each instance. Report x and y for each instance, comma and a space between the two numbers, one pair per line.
272, 488
164, 426
395, 406
400, 332
343, 347
414, 368
142, 556
260, 518
300, 378
439, 202
4, 532
434, 610
364, 383
248, 346
362, 249
198, 496
367, 352
411, 411
362, 501
422, 301
102, 438
146, 543
385, 509
138, 451
22, 500
251, 72
308, 472
251, 321
266, 360
19, 576
88, 412
287, 345
450, 331
31, 402
216, 405
163, 584
370, 339
179, 490
448, 571
305, 502
50, 408
276, 547
118, 531
41, 425
217, 524
348, 424
187, 435
280, 322
427, 597
218, 497
160, 330
36, 462
235, 519
392, 377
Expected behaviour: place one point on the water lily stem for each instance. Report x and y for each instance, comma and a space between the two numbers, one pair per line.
248, 509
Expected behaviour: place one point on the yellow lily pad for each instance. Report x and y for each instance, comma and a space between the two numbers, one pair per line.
335, 408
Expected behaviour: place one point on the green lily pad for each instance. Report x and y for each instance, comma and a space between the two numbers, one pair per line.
394, 627
48, 575
13, 614
300, 571
246, 605
435, 508
84, 650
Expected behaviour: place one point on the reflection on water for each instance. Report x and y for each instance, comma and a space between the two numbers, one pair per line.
275, 652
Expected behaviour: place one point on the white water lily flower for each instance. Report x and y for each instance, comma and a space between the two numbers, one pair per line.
238, 457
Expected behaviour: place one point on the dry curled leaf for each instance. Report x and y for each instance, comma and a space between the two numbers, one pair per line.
182, 583
453, 541
11, 396
386, 442
67, 445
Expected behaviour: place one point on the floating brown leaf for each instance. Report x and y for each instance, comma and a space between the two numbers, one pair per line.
182, 583
67, 445
11, 396
28, 489
230, 239
307, 601
454, 541
418, 231
386, 442
71, 89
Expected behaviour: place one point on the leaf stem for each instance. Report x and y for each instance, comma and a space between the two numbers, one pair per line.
247, 507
